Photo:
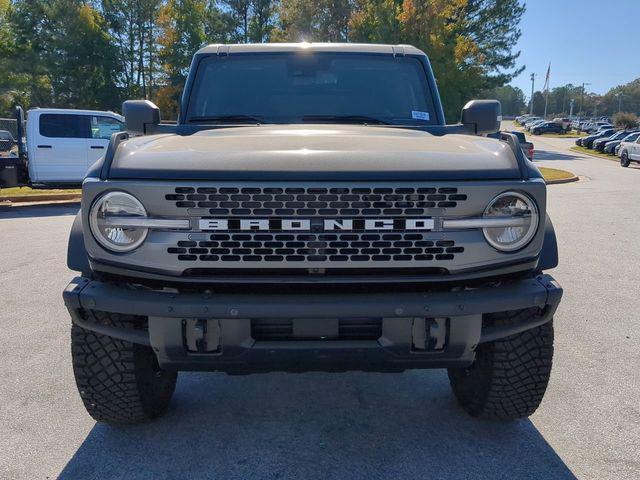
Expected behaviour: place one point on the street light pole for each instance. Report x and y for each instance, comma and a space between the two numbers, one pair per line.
620, 95
533, 79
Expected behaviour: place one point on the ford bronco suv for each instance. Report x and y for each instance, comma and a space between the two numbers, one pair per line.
311, 210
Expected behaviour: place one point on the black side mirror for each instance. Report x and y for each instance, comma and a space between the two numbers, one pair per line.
139, 115
484, 116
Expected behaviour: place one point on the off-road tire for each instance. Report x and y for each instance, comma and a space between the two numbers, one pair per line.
509, 376
624, 159
119, 382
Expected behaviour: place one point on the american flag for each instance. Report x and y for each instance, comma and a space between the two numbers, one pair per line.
546, 79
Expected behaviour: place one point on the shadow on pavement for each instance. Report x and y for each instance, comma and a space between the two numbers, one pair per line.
34, 211
550, 155
354, 425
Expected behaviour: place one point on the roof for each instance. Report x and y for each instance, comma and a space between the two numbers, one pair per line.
314, 47
74, 111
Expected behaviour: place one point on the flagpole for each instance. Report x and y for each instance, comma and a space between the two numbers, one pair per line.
546, 92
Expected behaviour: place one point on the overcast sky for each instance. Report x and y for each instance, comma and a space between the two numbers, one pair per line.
591, 41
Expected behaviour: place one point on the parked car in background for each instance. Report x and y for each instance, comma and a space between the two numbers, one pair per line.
7, 142
531, 125
520, 119
594, 127
612, 147
565, 123
588, 141
599, 143
546, 127
527, 147
629, 152
529, 121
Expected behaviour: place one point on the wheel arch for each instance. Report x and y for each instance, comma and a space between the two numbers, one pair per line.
77, 258
549, 254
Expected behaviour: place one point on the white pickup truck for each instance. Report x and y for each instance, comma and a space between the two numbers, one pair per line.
61, 145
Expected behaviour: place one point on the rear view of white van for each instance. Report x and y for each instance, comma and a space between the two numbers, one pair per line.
62, 144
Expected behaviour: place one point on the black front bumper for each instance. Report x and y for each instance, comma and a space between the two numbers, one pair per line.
226, 332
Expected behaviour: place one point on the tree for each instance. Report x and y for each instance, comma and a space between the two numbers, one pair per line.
65, 56
250, 20
133, 29
538, 104
625, 120
511, 99
469, 42
182, 32
314, 20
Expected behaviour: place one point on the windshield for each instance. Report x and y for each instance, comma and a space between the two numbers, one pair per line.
311, 88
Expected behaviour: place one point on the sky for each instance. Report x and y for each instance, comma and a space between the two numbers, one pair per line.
591, 41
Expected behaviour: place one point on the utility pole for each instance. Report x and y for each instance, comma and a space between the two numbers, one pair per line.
533, 79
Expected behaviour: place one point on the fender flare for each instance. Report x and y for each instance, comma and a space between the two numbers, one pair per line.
77, 258
549, 254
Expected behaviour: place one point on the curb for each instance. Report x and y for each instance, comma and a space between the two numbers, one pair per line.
4, 206
562, 180
41, 198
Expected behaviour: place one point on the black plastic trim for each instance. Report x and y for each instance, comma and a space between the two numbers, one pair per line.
114, 142
77, 258
375, 276
549, 253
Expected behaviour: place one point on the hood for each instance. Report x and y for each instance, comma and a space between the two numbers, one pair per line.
313, 152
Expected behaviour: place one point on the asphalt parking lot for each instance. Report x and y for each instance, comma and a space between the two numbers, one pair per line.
355, 425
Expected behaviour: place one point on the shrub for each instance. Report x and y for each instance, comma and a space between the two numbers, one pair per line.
625, 120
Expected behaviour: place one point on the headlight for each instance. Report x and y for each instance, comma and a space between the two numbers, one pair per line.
520, 213
108, 217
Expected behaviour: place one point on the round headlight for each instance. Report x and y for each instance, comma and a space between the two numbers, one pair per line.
111, 234
520, 215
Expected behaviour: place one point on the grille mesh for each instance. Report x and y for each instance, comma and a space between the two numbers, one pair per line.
312, 201
315, 247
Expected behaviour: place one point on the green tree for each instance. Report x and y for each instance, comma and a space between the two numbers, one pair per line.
66, 57
511, 98
314, 20
182, 26
469, 42
132, 25
262, 20
625, 120
538, 104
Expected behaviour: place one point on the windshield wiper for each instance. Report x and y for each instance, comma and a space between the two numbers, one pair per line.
230, 119
346, 118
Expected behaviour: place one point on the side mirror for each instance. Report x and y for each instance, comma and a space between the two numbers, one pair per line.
139, 115
484, 116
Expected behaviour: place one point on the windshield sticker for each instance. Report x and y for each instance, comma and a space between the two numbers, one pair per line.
418, 115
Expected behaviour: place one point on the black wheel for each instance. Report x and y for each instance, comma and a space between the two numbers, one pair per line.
119, 381
624, 159
509, 376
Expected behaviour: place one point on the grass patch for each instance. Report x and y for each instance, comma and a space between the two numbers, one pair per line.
594, 153
555, 174
24, 191
571, 134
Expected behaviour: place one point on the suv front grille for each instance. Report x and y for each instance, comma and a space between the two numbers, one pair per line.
315, 247
312, 201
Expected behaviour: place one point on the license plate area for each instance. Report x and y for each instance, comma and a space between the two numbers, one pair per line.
294, 329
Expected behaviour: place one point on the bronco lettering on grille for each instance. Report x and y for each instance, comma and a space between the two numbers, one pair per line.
315, 224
